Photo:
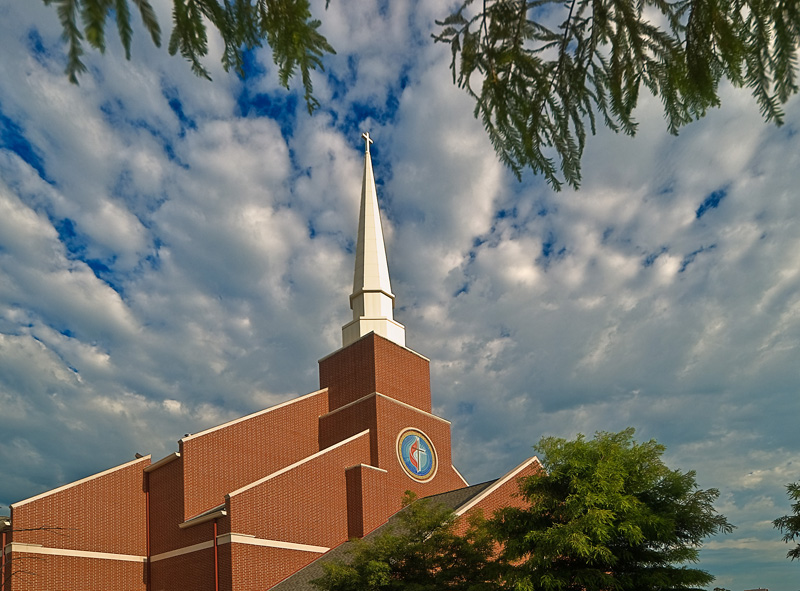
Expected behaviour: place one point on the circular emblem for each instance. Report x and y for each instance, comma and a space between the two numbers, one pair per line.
416, 454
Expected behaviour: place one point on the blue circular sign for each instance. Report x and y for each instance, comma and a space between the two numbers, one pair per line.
416, 454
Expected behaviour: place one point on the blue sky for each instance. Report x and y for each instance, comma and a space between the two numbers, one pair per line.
175, 253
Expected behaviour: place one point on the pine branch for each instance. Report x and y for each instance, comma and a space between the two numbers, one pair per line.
124, 26
149, 20
286, 25
607, 50
67, 14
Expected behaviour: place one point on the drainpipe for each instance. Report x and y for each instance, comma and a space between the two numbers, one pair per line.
216, 559
3, 563
147, 527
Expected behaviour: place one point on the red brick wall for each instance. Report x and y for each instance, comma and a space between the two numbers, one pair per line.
346, 422
258, 567
402, 374
225, 567
69, 573
367, 505
187, 572
233, 456
505, 495
386, 418
392, 418
304, 505
166, 511
104, 514
375, 364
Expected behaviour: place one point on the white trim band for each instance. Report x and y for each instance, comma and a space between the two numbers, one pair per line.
464, 480
180, 551
163, 461
253, 541
463, 509
253, 415
37, 549
203, 518
390, 399
296, 464
366, 466
81, 481
239, 539
420, 355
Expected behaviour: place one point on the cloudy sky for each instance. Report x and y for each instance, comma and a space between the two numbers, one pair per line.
175, 253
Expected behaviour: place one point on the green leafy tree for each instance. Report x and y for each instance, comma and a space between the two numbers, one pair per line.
539, 71
789, 525
420, 551
607, 514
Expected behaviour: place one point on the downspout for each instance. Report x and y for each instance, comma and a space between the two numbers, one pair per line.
3, 563
147, 527
216, 559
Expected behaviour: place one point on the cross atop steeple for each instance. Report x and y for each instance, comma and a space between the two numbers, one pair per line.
367, 140
372, 300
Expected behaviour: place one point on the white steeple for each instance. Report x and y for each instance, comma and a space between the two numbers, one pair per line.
372, 300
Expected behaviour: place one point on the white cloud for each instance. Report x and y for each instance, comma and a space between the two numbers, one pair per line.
227, 242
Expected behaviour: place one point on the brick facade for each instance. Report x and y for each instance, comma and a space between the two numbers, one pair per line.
70, 573
503, 493
82, 535
375, 364
367, 501
242, 506
244, 451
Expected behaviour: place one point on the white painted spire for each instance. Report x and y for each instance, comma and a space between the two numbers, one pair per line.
372, 300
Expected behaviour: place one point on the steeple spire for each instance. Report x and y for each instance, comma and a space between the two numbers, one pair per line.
372, 300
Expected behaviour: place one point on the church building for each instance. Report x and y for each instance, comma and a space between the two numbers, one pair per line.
255, 503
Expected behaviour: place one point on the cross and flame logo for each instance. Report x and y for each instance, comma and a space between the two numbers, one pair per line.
416, 454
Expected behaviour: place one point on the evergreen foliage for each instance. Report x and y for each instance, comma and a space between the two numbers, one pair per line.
420, 552
540, 70
789, 525
607, 514
285, 25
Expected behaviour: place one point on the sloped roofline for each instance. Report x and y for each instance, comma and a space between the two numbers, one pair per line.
77, 482
252, 415
389, 398
296, 464
497, 484
300, 579
420, 355
163, 461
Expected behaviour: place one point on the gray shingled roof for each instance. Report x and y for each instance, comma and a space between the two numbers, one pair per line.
301, 580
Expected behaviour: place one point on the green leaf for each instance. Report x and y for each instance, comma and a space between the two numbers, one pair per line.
149, 20
94, 14
124, 25
607, 514
71, 34
599, 57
